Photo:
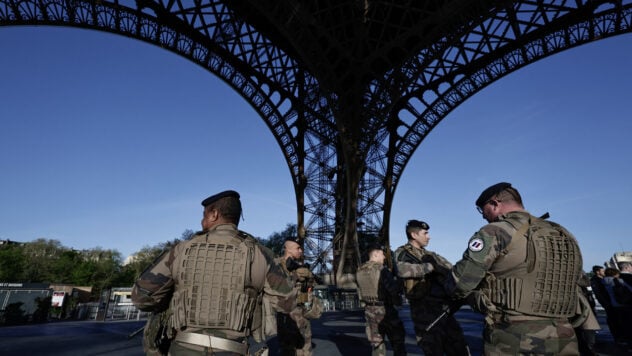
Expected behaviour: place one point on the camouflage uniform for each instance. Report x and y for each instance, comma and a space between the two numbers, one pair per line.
162, 285
382, 318
303, 287
157, 334
499, 252
424, 272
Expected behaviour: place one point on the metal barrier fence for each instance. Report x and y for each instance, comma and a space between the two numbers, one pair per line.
95, 311
333, 299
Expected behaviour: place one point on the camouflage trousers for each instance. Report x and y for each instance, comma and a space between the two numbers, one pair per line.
533, 337
374, 316
384, 321
287, 342
157, 334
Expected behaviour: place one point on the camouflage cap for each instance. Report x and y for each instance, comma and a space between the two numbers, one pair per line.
225, 194
490, 192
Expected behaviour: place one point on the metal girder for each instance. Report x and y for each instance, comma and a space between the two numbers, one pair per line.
349, 88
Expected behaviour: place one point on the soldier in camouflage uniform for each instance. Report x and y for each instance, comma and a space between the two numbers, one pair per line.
380, 292
424, 273
299, 275
522, 273
213, 285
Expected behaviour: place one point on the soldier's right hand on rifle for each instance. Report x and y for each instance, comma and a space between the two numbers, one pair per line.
303, 273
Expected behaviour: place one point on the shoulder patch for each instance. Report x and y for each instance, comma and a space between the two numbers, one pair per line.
476, 245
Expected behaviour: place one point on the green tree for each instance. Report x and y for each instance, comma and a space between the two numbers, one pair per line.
40, 256
48, 261
275, 241
12, 262
67, 261
82, 273
187, 235
144, 258
107, 266
140, 261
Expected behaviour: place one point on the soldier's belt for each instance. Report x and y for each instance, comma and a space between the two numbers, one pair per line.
213, 342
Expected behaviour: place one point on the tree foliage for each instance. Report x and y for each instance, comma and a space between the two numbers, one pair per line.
275, 241
12, 262
48, 261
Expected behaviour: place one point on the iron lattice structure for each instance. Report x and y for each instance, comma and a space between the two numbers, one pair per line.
349, 88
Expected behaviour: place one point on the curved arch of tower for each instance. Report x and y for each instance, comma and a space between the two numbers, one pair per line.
348, 88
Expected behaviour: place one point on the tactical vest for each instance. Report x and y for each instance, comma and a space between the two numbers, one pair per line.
368, 278
415, 288
216, 289
545, 282
303, 288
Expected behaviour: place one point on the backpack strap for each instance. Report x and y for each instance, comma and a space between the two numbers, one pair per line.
524, 231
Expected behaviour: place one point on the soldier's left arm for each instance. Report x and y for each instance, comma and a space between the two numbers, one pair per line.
407, 268
441, 261
152, 291
477, 259
282, 295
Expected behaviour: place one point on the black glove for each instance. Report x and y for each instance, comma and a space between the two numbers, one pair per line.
291, 264
438, 269
429, 259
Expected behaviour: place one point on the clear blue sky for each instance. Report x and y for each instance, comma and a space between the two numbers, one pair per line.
110, 142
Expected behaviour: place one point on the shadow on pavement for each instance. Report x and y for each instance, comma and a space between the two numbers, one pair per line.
335, 333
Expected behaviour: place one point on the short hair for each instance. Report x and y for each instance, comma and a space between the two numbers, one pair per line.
611, 272
228, 207
415, 226
596, 268
510, 194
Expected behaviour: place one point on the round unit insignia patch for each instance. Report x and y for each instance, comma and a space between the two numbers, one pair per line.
476, 245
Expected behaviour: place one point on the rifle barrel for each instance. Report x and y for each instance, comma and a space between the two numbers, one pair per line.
438, 319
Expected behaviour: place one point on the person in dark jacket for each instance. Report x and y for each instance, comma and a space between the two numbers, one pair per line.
424, 273
602, 296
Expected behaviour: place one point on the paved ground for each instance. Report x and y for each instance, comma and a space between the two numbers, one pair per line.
336, 333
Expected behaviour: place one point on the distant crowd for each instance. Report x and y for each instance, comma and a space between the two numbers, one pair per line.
612, 288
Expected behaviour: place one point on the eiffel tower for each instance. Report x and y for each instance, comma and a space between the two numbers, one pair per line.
348, 88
